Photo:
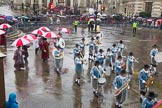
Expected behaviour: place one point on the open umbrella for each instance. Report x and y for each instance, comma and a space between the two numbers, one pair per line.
50, 35
29, 37
20, 42
64, 30
37, 32
2, 32
5, 26
45, 29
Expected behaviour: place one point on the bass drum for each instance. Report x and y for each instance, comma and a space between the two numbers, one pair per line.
158, 57
61, 43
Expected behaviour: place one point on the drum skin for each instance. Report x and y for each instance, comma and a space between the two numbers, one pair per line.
102, 81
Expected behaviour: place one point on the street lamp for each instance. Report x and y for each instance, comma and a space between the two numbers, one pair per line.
2, 85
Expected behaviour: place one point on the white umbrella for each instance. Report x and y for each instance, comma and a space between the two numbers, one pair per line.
30, 37
45, 29
5, 26
20, 42
50, 35
2, 32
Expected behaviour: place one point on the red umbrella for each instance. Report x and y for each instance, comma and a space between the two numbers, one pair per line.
45, 29
37, 32
2, 32
5, 26
50, 35
29, 37
20, 42
64, 30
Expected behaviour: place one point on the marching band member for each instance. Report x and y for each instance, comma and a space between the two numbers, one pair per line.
95, 73
121, 47
150, 100
91, 48
130, 65
143, 77
82, 46
153, 52
108, 61
114, 50
78, 68
76, 50
96, 46
58, 62
118, 65
119, 82
100, 57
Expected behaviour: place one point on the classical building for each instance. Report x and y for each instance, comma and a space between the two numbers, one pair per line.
134, 7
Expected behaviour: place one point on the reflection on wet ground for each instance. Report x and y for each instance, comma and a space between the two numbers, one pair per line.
38, 86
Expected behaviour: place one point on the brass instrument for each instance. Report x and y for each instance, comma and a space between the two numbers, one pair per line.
125, 86
149, 81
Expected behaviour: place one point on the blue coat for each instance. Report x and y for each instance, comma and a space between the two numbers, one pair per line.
109, 57
153, 52
12, 103
114, 50
100, 58
142, 77
147, 104
120, 47
119, 81
95, 72
118, 66
75, 52
78, 65
82, 46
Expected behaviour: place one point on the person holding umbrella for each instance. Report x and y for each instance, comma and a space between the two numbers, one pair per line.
45, 50
18, 58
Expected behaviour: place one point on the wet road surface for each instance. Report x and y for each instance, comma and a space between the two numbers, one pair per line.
40, 87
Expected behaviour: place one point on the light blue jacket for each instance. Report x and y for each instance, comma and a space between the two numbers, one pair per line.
91, 45
100, 58
120, 47
76, 51
12, 103
142, 77
114, 50
118, 66
78, 65
119, 81
147, 104
153, 52
95, 72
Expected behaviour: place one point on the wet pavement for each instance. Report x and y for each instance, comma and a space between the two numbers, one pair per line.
40, 87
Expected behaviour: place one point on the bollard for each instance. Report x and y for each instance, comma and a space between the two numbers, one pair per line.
2, 85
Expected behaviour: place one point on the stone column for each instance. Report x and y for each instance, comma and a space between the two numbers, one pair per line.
156, 8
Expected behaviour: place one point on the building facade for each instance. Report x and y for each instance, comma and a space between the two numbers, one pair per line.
134, 7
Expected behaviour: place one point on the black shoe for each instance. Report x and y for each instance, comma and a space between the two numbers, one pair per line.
116, 106
96, 94
140, 100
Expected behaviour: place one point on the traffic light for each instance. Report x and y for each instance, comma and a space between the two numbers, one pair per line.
51, 6
102, 8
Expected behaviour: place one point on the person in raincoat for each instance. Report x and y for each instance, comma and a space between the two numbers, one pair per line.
12, 103
76, 22
142, 78
18, 58
118, 82
45, 50
78, 68
154, 64
134, 26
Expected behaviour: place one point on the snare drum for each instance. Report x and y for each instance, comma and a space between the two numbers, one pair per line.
102, 81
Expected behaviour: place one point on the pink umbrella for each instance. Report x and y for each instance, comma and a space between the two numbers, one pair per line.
29, 37
2, 32
64, 30
20, 42
45, 29
149, 20
5, 26
50, 35
37, 32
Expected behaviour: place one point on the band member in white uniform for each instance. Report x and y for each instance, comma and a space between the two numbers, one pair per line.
78, 68
76, 50
108, 62
118, 65
91, 48
96, 46
121, 47
100, 57
95, 73
118, 83
142, 78
82, 46
154, 64
114, 50
58, 59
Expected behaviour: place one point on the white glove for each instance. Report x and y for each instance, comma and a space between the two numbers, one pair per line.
143, 81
